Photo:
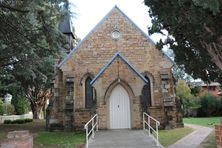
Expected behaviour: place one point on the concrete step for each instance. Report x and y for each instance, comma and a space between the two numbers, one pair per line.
121, 139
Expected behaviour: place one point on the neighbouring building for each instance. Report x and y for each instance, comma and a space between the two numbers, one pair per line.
116, 72
212, 88
8, 98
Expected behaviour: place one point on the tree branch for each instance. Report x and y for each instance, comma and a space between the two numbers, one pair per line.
213, 53
13, 9
10, 63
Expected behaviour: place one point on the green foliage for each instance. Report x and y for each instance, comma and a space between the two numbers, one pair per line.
62, 138
210, 141
180, 74
7, 121
194, 33
1, 107
210, 106
21, 105
56, 127
196, 90
18, 121
203, 121
29, 44
212, 5
183, 92
29, 39
9, 109
168, 137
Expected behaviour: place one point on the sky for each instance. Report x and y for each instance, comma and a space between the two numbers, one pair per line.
89, 12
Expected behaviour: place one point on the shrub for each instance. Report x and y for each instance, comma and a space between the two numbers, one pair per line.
7, 121
8, 109
18, 121
210, 106
1, 107
56, 126
21, 105
28, 120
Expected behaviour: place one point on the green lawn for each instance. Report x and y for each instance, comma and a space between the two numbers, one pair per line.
204, 121
2, 135
168, 137
44, 139
59, 138
209, 142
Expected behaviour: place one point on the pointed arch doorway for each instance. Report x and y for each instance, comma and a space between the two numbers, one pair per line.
119, 108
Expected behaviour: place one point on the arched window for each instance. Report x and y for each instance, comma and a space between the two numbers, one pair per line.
146, 94
88, 93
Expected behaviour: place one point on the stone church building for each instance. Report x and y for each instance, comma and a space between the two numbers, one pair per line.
116, 72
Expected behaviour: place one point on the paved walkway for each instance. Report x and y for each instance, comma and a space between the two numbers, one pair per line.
194, 139
121, 139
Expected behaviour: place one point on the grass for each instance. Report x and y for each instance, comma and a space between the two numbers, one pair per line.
2, 135
33, 128
168, 137
209, 142
59, 138
203, 121
42, 138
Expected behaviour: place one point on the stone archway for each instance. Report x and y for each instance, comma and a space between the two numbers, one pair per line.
116, 88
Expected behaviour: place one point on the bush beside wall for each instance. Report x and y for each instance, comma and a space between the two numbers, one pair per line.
210, 106
18, 121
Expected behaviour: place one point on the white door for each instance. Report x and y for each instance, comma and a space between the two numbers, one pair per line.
119, 108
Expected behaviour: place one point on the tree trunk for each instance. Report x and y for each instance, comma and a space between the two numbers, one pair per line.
34, 111
38, 100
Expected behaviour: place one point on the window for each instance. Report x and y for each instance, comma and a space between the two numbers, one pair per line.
146, 94
69, 88
88, 93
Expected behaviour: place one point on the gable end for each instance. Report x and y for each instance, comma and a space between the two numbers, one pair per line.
117, 54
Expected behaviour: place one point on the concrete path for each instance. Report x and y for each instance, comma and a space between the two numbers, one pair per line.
194, 139
121, 139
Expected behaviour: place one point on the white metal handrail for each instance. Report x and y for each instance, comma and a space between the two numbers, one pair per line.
94, 123
147, 122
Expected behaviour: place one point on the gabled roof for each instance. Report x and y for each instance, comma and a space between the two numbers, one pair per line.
118, 55
211, 84
100, 22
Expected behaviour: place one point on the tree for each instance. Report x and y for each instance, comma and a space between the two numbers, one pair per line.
183, 92
21, 104
29, 43
194, 33
180, 74
210, 106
